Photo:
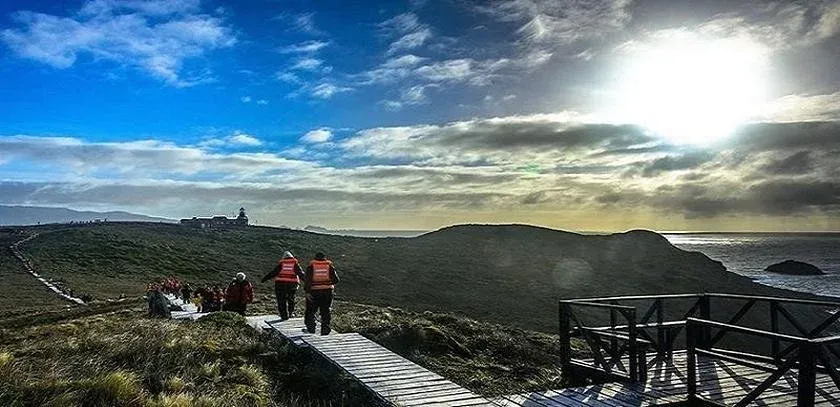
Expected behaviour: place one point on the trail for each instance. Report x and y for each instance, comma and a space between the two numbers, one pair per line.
28, 266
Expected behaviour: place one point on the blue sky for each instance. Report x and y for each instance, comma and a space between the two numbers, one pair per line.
592, 114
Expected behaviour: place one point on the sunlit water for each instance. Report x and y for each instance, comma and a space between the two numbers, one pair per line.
750, 254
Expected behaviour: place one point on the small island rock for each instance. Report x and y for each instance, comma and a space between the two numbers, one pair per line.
796, 268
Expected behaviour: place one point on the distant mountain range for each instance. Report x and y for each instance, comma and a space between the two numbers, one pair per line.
32, 215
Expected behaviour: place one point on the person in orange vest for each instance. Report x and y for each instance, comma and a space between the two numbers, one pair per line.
287, 275
319, 284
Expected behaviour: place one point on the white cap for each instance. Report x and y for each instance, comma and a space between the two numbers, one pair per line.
240, 276
287, 254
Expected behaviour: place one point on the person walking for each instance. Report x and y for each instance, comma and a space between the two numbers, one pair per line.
239, 294
319, 285
186, 293
287, 275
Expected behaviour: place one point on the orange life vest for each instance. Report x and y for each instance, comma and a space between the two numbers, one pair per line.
287, 271
321, 275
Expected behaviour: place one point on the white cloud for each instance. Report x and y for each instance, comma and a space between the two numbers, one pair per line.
304, 22
238, 138
411, 96
478, 73
558, 23
308, 64
391, 105
453, 69
410, 41
262, 102
794, 108
287, 77
303, 47
779, 26
245, 99
401, 24
317, 136
156, 37
405, 61
328, 90
408, 30
391, 71
245, 139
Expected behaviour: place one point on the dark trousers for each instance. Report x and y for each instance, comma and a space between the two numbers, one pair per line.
238, 308
321, 301
285, 293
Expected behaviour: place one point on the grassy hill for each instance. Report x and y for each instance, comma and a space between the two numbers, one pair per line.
512, 274
112, 355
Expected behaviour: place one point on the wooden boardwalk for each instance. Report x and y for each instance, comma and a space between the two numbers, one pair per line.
400, 382
719, 381
391, 377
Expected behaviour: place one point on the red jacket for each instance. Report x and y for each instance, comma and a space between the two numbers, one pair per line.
239, 292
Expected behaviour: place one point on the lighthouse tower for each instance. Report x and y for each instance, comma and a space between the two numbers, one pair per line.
242, 219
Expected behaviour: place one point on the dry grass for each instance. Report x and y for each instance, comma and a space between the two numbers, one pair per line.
123, 359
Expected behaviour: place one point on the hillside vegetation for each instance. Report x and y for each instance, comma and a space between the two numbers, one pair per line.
512, 274
112, 355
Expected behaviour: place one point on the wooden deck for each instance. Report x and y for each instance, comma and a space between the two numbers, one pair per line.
722, 382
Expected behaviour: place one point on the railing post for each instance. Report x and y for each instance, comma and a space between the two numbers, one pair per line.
691, 333
565, 339
705, 313
633, 346
660, 334
806, 387
774, 327
613, 323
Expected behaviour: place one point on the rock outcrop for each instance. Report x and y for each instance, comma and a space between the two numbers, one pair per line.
796, 268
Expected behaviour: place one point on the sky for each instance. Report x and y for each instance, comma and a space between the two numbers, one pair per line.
595, 115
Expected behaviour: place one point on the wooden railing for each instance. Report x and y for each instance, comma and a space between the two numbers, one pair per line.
608, 347
809, 356
629, 334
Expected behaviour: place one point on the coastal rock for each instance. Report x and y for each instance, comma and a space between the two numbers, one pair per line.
796, 268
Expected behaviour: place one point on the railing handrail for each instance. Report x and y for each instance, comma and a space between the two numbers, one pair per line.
827, 340
600, 305
801, 301
633, 298
752, 331
778, 299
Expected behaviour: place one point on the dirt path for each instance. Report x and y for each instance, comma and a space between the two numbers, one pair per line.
29, 269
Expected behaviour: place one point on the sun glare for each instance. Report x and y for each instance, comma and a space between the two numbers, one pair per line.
692, 91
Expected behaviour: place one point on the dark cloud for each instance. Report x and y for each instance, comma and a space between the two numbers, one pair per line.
794, 164
523, 135
677, 163
198, 196
773, 198
786, 136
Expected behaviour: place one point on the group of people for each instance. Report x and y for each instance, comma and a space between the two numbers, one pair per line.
236, 297
319, 279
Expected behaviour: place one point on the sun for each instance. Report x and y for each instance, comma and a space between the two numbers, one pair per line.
692, 91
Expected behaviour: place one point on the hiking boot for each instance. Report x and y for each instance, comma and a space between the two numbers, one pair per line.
307, 331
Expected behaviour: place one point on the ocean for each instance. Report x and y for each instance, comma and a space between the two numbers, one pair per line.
749, 253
